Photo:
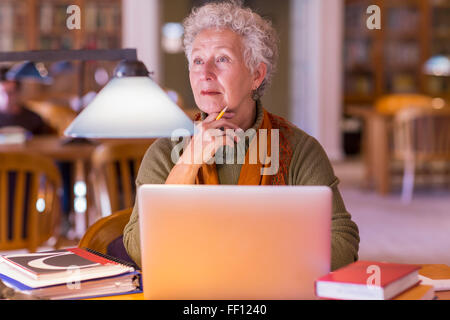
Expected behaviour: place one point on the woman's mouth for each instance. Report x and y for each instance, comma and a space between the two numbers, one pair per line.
209, 93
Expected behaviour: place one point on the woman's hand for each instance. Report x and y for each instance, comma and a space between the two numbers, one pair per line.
209, 136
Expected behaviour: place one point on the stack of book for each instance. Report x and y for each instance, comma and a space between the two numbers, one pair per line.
370, 280
13, 135
68, 274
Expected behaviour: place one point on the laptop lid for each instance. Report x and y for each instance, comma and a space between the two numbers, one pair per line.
233, 242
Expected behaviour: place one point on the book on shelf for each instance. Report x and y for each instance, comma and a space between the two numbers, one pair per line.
91, 17
68, 274
402, 83
46, 17
368, 280
6, 17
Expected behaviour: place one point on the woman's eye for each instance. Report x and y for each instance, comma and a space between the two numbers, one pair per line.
223, 59
197, 61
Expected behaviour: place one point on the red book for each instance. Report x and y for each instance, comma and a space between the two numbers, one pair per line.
368, 280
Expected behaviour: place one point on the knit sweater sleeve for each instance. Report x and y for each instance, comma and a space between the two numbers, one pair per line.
155, 168
311, 166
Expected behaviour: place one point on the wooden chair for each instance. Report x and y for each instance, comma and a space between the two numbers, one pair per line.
105, 230
29, 201
419, 135
377, 139
114, 170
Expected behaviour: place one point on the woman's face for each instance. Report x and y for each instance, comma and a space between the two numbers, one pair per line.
218, 74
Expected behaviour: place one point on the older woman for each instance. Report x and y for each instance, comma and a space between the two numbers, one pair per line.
232, 54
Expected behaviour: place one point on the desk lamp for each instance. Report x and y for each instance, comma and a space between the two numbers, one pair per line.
130, 106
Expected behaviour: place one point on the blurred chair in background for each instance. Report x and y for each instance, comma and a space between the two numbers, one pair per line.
29, 202
377, 139
420, 135
114, 170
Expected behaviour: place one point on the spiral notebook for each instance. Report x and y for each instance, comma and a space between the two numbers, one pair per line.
68, 269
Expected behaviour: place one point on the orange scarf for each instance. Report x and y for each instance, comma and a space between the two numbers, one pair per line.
251, 173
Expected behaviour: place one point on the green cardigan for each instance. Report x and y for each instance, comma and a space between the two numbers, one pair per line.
309, 166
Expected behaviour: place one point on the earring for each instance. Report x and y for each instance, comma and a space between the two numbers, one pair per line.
255, 94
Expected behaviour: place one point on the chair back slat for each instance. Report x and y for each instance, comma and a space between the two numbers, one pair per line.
19, 205
33, 218
3, 207
136, 165
48, 195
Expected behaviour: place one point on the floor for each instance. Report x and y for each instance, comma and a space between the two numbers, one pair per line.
418, 232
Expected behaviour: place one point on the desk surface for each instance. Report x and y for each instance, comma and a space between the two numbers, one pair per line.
54, 147
436, 271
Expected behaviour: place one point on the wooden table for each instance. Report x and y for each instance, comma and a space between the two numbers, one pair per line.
54, 147
58, 149
375, 147
427, 270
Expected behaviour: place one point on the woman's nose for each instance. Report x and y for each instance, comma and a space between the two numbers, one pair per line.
208, 71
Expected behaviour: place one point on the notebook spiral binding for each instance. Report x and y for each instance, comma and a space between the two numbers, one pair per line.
137, 280
110, 258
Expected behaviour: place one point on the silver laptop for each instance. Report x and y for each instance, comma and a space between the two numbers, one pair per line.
233, 242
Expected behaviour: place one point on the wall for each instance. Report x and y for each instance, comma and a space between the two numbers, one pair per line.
174, 66
316, 76
141, 30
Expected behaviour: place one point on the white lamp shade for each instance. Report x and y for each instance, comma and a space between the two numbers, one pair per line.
131, 107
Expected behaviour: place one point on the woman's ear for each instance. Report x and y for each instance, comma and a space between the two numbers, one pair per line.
259, 75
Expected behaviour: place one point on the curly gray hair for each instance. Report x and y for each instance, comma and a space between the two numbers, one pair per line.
260, 39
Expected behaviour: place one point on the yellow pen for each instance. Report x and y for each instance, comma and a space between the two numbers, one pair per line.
221, 113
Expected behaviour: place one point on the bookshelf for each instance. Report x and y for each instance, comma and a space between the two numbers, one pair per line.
41, 25
390, 60
13, 25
